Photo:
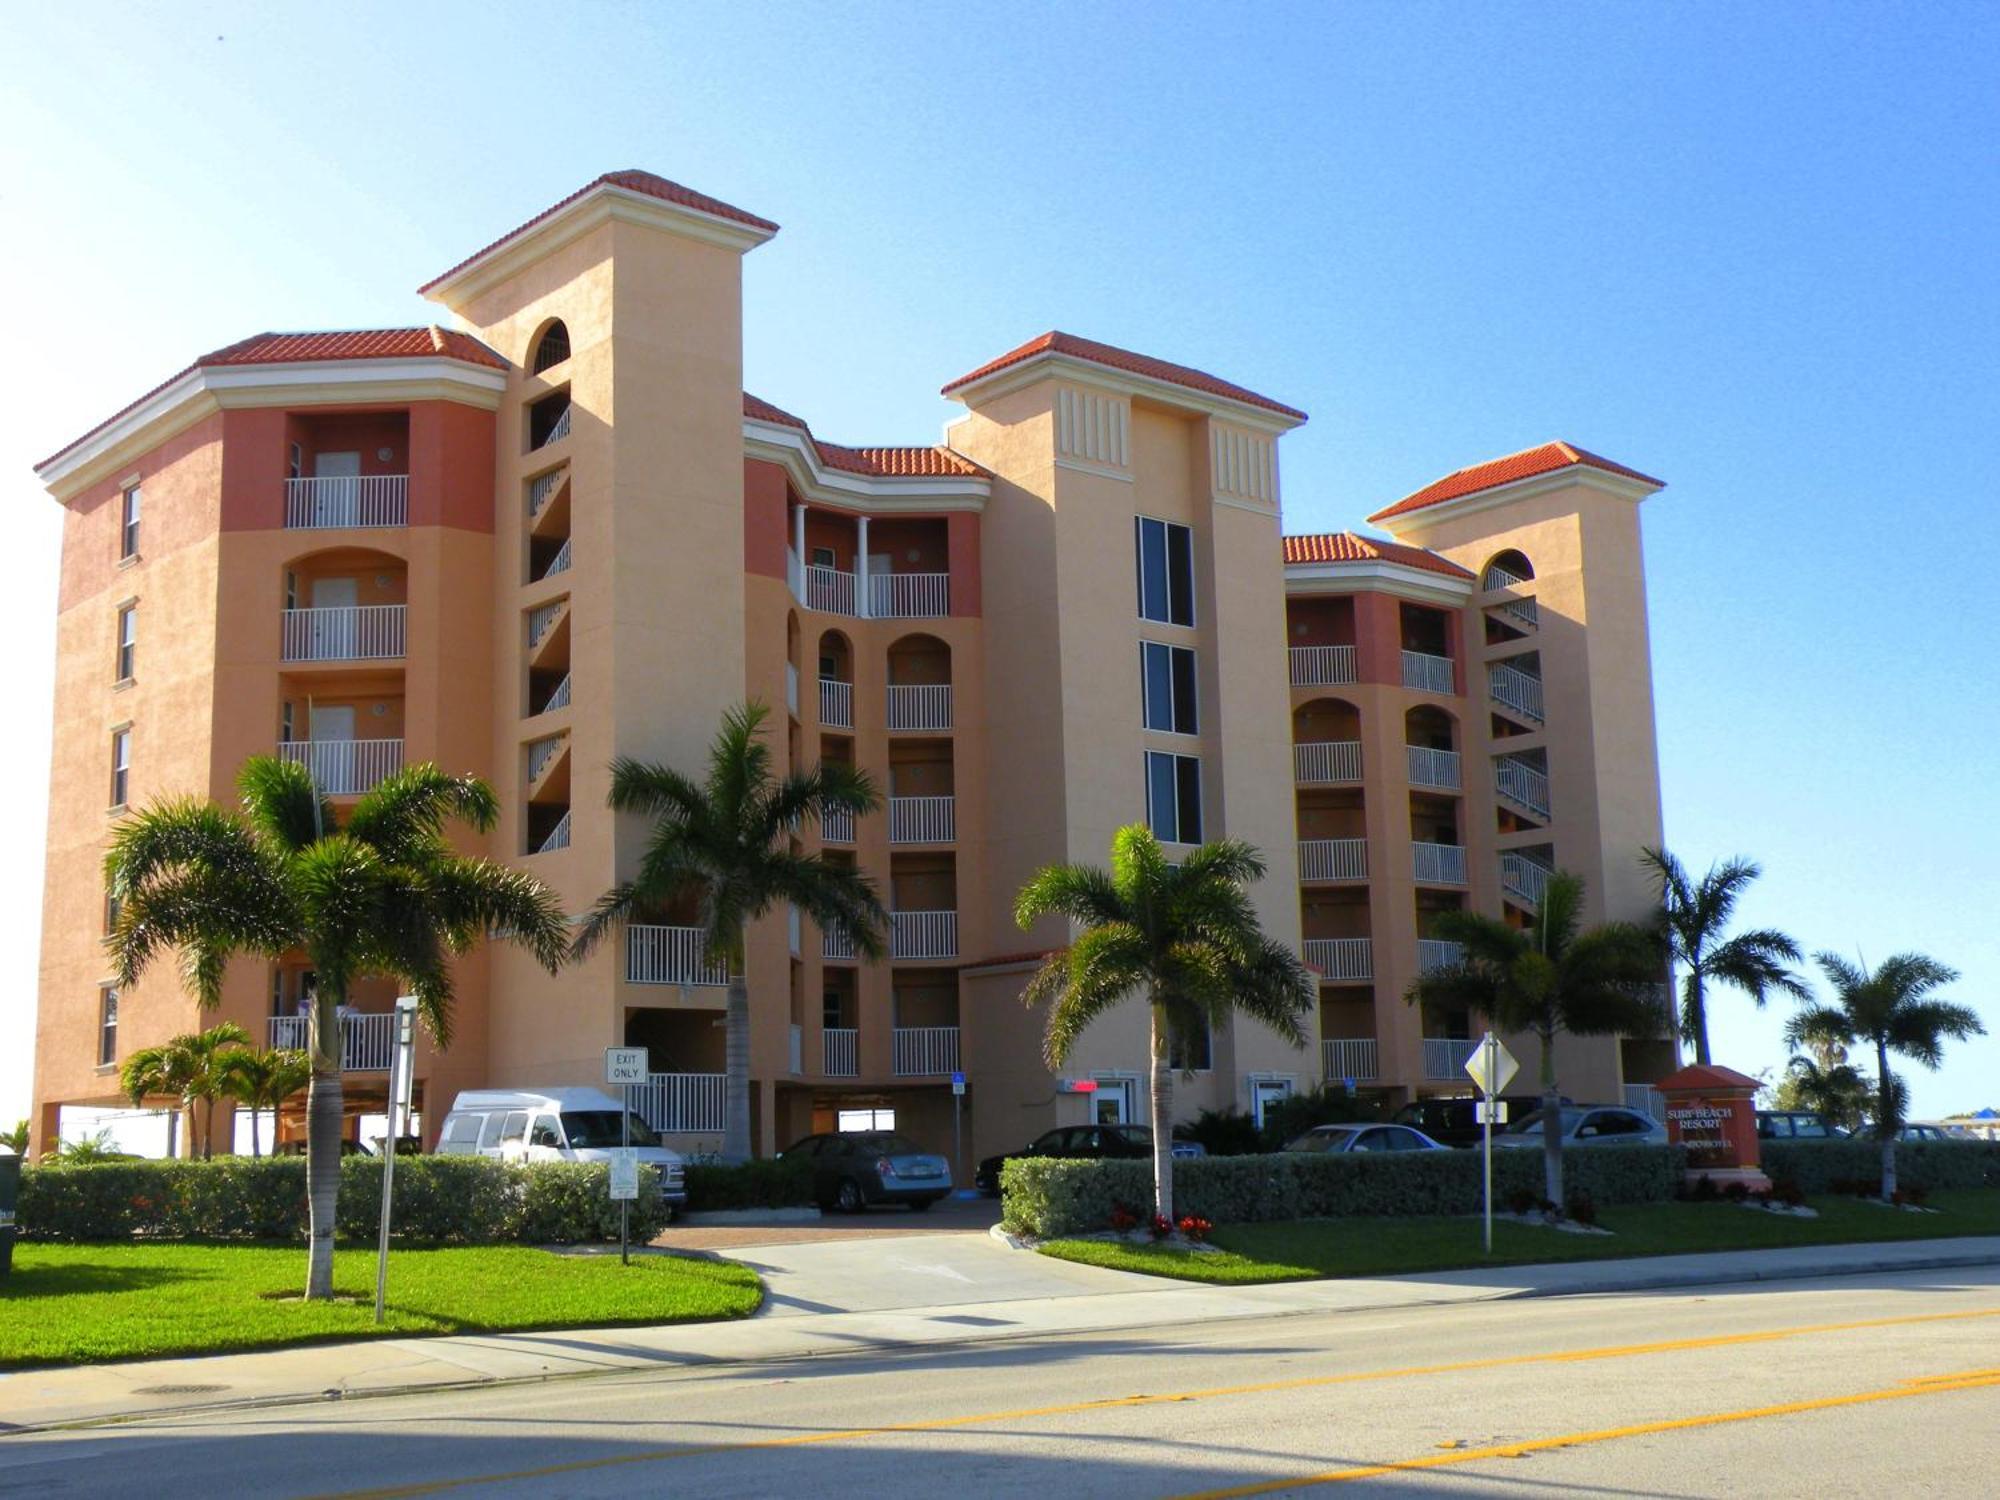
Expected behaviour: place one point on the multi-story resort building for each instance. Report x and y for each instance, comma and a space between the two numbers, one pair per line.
560, 531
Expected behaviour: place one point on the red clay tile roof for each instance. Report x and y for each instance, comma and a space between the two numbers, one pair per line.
893, 463
1000, 960
1526, 464
633, 180
1125, 359
1347, 546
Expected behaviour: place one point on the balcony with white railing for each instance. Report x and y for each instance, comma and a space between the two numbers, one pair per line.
1326, 762
542, 619
558, 429
543, 754
923, 820
840, 1051
1522, 784
558, 836
366, 1041
830, 590
1353, 1057
834, 943
543, 488
909, 596
354, 502
796, 1056
1341, 958
920, 706
670, 955
1321, 666
1646, 1099
345, 768
1436, 953
1434, 768
1521, 610
1514, 689
925, 1051
836, 704
836, 827
1522, 878
1446, 1057
353, 632
1438, 864
1333, 860
1427, 673
681, 1103
792, 689
561, 561
923, 934
559, 698
794, 926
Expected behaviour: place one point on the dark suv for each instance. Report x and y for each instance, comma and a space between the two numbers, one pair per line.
1796, 1125
1452, 1121
1091, 1142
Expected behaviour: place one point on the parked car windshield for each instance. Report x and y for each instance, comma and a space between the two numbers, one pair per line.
1131, 1135
1321, 1140
1533, 1121
594, 1129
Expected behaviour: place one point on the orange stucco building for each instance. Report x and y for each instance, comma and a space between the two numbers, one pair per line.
512, 547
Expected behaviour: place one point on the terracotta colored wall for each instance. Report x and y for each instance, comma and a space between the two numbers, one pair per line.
765, 537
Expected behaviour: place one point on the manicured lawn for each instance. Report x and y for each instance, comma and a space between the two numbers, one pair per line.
1309, 1249
69, 1304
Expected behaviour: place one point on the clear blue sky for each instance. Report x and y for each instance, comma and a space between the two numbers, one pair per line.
1748, 249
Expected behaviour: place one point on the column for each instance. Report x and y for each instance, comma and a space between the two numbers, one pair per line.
861, 572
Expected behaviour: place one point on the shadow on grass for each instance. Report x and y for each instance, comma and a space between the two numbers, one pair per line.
84, 1280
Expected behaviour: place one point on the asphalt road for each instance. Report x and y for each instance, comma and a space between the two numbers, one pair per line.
1819, 1389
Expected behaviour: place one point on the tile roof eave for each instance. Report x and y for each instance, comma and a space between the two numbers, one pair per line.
1056, 344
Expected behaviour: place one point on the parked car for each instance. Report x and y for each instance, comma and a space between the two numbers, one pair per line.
557, 1124
1586, 1125
1333, 1139
1796, 1125
854, 1169
1088, 1142
1926, 1130
1452, 1120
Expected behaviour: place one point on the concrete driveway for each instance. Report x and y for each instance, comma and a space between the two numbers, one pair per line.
952, 1216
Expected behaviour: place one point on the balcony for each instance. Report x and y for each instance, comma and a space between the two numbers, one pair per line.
544, 488
796, 1056
920, 706
1446, 1057
909, 596
557, 837
1522, 878
543, 754
1438, 864
923, 820
345, 768
830, 590
1428, 674
836, 944
923, 934
836, 828
1522, 784
1326, 762
366, 1042
350, 502
1521, 611
925, 1051
1646, 1099
840, 1051
1434, 768
1514, 689
670, 955
1435, 953
1352, 1058
1341, 958
681, 1103
560, 563
351, 632
1321, 666
792, 689
1323, 861
836, 704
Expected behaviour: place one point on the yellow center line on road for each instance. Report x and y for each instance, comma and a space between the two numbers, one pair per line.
1929, 1385
1263, 1387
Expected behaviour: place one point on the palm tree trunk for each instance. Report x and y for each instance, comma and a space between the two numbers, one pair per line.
1163, 1119
1552, 1142
323, 1127
208, 1128
1885, 1126
1697, 1017
256, 1146
736, 1072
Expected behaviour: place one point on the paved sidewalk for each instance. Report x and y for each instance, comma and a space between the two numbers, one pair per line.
1027, 1296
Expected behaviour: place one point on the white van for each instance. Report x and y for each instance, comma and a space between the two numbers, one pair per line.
554, 1125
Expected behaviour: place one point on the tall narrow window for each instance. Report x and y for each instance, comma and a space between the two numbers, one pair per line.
1165, 556
121, 765
110, 913
128, 523
295, 462
1166, 676
107, 1026
1173, 797
128, 640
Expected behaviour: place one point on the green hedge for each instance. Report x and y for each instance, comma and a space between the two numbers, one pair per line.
439, 1200
750, 1184
1932, 1166
1048, 1196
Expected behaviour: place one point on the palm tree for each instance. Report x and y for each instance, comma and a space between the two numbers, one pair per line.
386, 895
1186, 939
1692, 918
192, 1069
16, 1140
726, 844
1551, 977
1894, 1008
265, 1080
88, 1150
1835, 1091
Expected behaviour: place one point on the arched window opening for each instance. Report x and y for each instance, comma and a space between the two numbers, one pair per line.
551, 349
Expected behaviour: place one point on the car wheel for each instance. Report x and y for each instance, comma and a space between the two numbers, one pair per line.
847, 1197
921, 1205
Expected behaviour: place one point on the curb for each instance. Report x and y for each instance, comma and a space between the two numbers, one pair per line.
715, 1218
1663, 1281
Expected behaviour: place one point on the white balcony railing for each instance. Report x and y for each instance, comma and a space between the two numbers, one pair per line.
542, 620
836, 827
1445, 1057
558, 432
1438, 864
1521, 877
670, 955
1333, 859
351, 632
1515, 689
1322, 666
354, 500
1427, 673
792, 688
920, 705
925, 1051
543, 487
1521, 783
1437, 768
1326, 762
561, 561
1648, 1100
794, 924
840, 1051
1341, 958
835, 943
542, 754
366, 1042
836, 703
909, 596
1436, 953
1522, 610
681, 1103
1354, 1057
923, 934
559, 698
558, 837
1498, 578
828, 589
796, 1056
341, 768
922, 820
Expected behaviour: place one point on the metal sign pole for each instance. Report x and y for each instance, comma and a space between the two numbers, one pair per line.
1486, 1050
401, 1060
625, 1204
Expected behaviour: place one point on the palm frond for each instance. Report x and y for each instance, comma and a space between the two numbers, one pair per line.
1083, 893
739, 764
655, 791
1081, 982
282, 802
404, 816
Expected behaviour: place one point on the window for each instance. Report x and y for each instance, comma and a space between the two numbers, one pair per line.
1166, 678
543, 1133
128, 640
831, 1011
128, 524
515, 1129
1173, 797
107, 1026
111, 905
551, 349
121, 766
285, 722
865, 1119
1166, 571
1190, 1051
822, 557
489, 1133
295, 462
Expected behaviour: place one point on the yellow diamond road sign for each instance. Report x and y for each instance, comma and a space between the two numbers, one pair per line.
1490, 1054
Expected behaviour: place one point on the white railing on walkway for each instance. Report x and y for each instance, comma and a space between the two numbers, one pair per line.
366, 1041
542, 754
1436, 953
836, 827
1520, 782
1341, 958
1354, 1057
793, 926
1498, 578
542, 620
558, 432
1333, 859
1430, 767
1427, 673
561, 561
1445, 1057
796, 1056
835, 943
1321, 666
923, 934
355, 500
1522, 610
542, 488
1439, 864
670, 955
922, 820
1515, 689
350, 632
840, 1051
681, 1103
559, 698
909, 596
836, 703
345, 767
920, 705
1326, 762
792, 688
923, 1051
558, 837
830, 590
1522, 877
1648, 1100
